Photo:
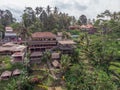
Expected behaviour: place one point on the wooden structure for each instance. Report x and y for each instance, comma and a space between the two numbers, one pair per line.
55, 56
41, 41
10, 35
88, 28
35, 57
74, 27
66, 46
16, 72
6, 75
10, 48
56, 64
59, 36
18, 57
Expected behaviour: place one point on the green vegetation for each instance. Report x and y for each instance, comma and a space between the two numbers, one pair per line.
94, 64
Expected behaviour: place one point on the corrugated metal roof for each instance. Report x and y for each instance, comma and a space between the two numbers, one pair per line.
10, 34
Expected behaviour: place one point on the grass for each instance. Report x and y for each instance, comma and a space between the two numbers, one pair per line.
115, 69
4, 83
115, 66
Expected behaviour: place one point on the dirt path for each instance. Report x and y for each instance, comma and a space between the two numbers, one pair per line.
51, 69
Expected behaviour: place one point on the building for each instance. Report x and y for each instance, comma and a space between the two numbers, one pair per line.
59, 35
10, 35
66, 46
11, 48
39, 43
16, 72
88, 28
17, 52
56, 64
55, 56
35, 57
18, 57
74, 27
6, 75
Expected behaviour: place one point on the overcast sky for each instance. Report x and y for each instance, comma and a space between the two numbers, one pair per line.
73, 7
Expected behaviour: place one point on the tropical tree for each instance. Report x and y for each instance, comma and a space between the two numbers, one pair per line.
55, 10
6, 17
38, 11
77, 79
83, 19
48, 10
65, 62
28, 17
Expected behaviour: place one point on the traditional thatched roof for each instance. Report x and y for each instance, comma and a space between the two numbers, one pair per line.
55, 55
18, 54
36, 54
66, 42
55, 63
9, 44
16, 72
6, 74
12, 47
43, 35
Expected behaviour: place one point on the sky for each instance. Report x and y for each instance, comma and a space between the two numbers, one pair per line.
90, 8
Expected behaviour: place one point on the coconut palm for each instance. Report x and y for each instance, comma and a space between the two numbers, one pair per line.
65, 62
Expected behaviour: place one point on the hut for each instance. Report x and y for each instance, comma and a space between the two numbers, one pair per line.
6, 75
56, 64
18, 57
16, 72
66, 46
55, 56
10, 48
35, 57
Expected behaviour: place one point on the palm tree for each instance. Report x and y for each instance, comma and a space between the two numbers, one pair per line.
83, 19
107, 13
38, 11
48, 10
65, 62
55, 10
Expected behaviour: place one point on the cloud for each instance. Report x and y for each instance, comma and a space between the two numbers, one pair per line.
17, 13
73, 7
70, 5
78, 6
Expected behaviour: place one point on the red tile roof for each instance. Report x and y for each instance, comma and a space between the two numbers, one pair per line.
74, 27
43, 35
88, 26
8, 29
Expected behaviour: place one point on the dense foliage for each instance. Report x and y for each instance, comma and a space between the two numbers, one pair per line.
94, 64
